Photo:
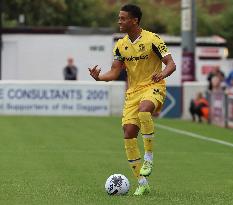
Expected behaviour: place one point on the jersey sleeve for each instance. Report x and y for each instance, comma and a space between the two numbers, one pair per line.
116, 52
159, 47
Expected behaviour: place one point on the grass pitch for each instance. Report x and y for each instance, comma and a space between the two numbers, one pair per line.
66, 160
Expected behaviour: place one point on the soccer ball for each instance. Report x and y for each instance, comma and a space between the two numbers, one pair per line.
117, 184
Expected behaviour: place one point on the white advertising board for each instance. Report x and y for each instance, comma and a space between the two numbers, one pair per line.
64, 98
43, 57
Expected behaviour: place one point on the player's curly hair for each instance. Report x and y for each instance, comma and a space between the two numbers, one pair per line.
133, 10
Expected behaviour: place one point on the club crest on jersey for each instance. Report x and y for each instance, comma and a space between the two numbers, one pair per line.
141, 47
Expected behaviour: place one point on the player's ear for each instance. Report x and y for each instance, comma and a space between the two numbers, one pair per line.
135, 21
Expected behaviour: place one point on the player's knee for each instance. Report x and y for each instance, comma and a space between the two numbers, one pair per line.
144, 116
147, 125
130, 131
146, 106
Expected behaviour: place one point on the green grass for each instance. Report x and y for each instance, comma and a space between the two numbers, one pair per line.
66, 160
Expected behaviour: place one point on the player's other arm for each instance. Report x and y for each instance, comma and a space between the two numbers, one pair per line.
112, 74
167, 71
161, 50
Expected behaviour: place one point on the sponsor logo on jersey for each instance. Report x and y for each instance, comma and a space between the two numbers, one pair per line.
133, 58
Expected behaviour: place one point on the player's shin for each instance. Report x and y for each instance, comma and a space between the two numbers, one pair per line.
147, 130
134, 158
133, 155
148, 147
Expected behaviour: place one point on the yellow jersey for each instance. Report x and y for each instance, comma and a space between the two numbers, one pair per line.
141, 58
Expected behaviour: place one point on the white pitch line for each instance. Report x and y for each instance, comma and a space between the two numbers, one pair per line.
194, 135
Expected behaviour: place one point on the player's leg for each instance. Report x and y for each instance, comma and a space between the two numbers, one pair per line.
132, 149
146, 109
131, 126
134, 157
152, 100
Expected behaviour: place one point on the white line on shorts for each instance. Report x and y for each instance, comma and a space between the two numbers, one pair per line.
190, 134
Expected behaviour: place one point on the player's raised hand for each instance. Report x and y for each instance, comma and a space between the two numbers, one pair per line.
94, 72
157, 77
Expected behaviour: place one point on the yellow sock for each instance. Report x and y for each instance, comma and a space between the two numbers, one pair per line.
148, 143
147, 130
133, 155
147, 125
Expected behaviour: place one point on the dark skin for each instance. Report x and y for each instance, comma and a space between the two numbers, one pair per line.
130, 25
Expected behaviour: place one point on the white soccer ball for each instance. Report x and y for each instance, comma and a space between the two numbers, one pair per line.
117, 184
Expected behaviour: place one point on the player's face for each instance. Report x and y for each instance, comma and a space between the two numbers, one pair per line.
125, 21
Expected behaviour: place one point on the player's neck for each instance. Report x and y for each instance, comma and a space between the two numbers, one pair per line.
134, 33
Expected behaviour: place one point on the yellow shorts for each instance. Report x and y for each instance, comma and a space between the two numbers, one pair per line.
154, 93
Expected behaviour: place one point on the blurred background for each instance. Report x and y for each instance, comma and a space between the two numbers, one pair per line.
40, 38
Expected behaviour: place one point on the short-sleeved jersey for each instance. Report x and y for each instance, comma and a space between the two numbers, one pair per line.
141, 58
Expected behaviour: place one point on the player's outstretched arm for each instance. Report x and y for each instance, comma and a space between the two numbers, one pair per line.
168, 70
112, 74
